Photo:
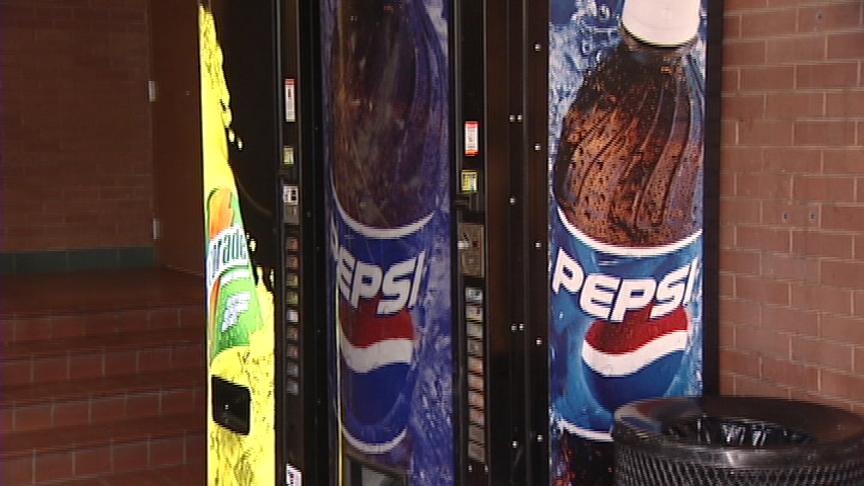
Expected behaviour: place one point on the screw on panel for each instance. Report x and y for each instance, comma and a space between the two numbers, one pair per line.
539, 438
537, 47
519, 118
470, 468
514, 444
537, 147
512, 201
521, 326
512, 118
513, 327
538, 245
538, 341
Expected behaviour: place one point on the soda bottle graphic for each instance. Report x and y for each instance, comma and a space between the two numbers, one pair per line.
389, 189
626, 225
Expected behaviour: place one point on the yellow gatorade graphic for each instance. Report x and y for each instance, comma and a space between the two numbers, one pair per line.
240, 339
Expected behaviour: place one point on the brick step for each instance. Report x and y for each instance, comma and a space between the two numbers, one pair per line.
101, 400
52, 327
100, 356
62, 454
185, 475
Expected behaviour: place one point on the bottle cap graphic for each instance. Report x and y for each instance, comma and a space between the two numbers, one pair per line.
661, 22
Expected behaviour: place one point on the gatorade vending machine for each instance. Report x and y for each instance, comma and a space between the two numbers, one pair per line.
260, 224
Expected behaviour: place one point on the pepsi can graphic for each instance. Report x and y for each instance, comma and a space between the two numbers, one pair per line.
387, 160
380, 274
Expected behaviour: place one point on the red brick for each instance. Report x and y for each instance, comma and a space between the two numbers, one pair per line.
842, 273
165, 452
768, 23
859, 247
787, 159
744, 107
791, 374
730, 79
33, 417
792, 214
188, 357
85, 366
819, 297
728, 183
845, 104
829, 17
106, 410
145, 405
859, 359
843, 218
826, 75
794, 49
793, 105
740, 312
47, 370
765, 132
196, 449
154, 359
121, 363
763, 290
17, 471
765, 185
163, 318
130, 457
92, 461
744, 53
824, 354
32, 329
843, 329
729, 132
727, 333
809, 243
814, 397
790, 267
740, 363
759, 388
67, 326
740, 210
178, 401
15, 372
71, 413
849, 45
790, 320
733, 5
192, 317
824, 188
842, 385
731, 27
761, 238
824, 133
740, 261
54, 467
771, 78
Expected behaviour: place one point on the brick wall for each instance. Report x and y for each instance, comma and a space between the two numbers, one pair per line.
74, 125
792, 200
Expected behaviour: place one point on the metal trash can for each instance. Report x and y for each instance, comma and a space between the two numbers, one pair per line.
737, 441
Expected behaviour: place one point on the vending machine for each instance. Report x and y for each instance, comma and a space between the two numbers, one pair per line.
262, 227
446, 239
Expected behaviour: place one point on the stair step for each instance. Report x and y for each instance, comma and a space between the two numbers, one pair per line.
101, 356
31, 295
94, 401
166, 458
62, 326
70, 439
185, 475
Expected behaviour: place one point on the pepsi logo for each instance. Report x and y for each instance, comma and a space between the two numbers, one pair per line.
376, 356
634, 359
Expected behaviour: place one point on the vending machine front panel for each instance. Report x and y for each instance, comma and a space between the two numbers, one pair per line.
626, 151
387, 155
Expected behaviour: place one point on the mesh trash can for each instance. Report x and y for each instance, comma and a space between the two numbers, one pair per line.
737, 441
